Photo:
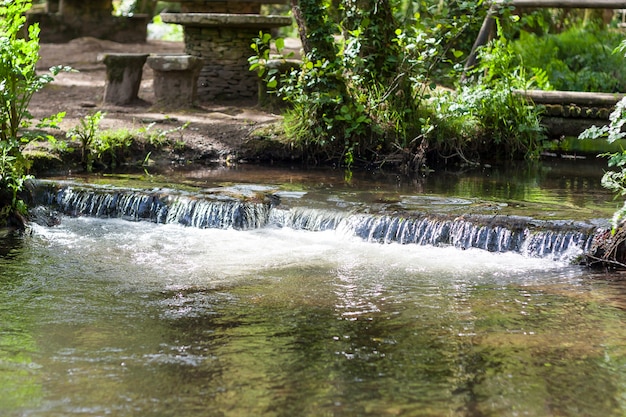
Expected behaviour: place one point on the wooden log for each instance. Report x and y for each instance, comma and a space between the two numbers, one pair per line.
571, 97
564, 4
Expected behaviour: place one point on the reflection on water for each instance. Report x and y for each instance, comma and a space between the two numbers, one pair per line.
106, 317
550, 190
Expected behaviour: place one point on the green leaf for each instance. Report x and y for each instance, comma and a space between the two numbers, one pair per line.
280, 44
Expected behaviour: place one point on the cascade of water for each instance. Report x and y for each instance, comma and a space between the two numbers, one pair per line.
494, 234
532, 238
218, 214
131, 205
157, 207
302, 218
548, 242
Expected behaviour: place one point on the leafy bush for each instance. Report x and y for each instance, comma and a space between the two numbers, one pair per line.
18, 82
486, 113
369, 96
364, 95
614, 180
85, 133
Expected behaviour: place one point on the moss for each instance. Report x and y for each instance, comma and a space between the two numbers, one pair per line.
270, 143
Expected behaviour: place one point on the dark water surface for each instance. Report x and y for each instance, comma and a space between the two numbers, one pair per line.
109, 317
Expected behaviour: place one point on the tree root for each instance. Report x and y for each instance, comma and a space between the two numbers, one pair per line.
608, 249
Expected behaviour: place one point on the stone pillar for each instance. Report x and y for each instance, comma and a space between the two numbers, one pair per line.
223, 41
226, 73
124, 72
175, 79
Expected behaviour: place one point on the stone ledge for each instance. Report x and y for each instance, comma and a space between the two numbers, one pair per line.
226, 20
174, 62
121, 57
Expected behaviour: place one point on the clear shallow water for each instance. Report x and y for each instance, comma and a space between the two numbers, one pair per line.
556, 189
108, 317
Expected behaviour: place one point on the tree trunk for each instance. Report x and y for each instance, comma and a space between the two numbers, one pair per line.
315, 29
486, 33
302, 31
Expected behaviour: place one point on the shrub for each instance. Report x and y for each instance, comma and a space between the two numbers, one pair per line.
18, 82
577, 59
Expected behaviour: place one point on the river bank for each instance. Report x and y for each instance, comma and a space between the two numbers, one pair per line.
210, 132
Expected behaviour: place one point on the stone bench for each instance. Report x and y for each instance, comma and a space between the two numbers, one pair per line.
123, 76
175, 79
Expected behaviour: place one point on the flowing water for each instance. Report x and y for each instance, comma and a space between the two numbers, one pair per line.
287, 293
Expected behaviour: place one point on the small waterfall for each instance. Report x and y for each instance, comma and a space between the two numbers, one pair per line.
218, 214
492, 233
130, 205
302, 218
156, 206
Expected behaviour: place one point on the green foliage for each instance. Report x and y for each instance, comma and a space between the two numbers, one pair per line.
98, 146
613, 180
258, 62
159, 138
109, 144
577, 59
19, 81
85, 133
490, 102
453, 24
107, 147
372, 97
364, 95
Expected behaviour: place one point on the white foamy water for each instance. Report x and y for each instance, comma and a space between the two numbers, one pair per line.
179, 255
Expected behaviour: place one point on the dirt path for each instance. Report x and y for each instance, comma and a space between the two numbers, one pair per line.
215, 131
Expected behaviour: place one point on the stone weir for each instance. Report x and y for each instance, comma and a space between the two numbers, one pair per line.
559, 240
220, 32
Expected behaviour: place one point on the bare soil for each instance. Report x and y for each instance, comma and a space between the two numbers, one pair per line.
216, 130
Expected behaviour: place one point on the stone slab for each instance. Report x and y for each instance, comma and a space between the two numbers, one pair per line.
226, 20
174, 62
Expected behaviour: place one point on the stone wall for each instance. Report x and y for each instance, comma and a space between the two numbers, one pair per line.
225, 74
